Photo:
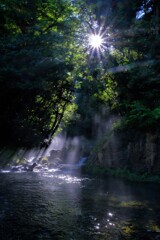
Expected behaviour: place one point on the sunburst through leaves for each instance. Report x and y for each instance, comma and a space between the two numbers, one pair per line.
97, 43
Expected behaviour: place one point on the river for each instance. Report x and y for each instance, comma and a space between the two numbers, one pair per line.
61, 205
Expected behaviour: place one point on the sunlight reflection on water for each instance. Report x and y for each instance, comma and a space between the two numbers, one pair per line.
62, 205
66, 177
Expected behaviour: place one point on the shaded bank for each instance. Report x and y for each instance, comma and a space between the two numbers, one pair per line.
125, 152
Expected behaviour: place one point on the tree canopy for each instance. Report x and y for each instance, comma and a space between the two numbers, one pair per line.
46, 66
124, 77
37, 48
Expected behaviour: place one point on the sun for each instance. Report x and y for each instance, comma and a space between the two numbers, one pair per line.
95, 41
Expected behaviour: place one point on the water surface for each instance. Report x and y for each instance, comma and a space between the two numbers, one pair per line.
61, 205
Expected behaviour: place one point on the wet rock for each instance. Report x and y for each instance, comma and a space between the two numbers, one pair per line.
16, 168
31, 167
132, 149
24, 167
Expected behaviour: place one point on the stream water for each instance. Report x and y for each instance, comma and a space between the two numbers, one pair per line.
55, 205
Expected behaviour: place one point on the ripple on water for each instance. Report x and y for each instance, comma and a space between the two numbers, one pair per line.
57, 205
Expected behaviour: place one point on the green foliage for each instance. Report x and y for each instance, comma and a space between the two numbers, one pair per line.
44, 64
133, 88
128, 74
69, 114
141, 116
38, 51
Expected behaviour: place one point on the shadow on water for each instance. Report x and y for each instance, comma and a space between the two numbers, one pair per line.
65, 205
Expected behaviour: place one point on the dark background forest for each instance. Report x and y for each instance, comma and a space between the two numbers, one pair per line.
50, 80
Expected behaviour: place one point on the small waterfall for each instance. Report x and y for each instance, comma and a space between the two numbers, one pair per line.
82, 161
